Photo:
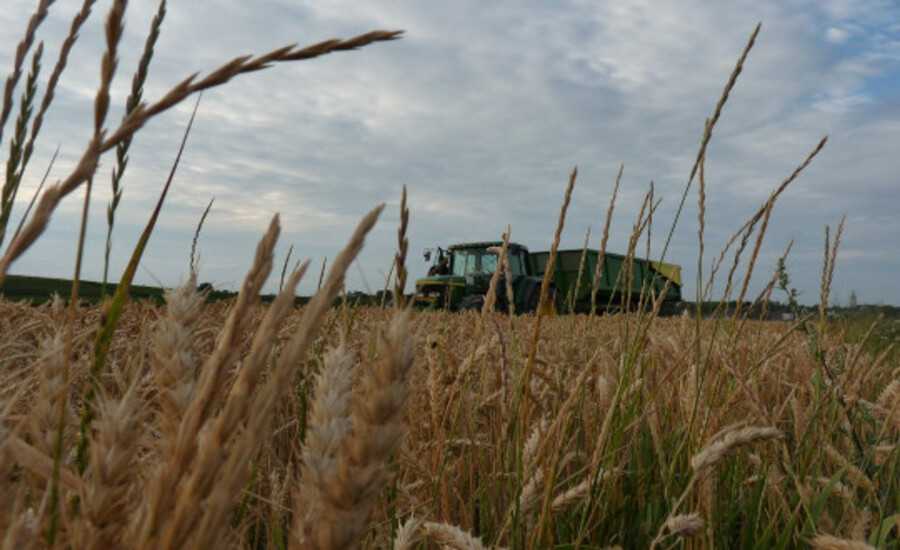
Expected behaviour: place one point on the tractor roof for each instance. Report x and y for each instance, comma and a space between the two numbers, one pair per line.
486, 244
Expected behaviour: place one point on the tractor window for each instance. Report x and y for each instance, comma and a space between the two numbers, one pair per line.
460, 260
515, 264
473, 262
489, 263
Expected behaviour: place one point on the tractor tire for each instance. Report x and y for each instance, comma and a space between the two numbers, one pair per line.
472, 302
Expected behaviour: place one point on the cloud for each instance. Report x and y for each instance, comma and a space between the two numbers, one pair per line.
837, 35
483, 110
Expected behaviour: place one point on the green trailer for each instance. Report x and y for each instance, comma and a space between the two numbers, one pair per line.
574, 272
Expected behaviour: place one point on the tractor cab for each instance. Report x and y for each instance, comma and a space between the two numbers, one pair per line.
460, 275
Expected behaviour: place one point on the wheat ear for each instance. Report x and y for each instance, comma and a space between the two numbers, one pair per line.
329, 422
224, 451
37, 462
444, 535
400, 258
164, 485
107, 499
685, 525
45, 411
37, 18
712, 454
545, 285
207, 529
827, 542
174, 361
598, 271
376, 416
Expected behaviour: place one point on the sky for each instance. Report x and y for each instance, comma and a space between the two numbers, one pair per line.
483, 110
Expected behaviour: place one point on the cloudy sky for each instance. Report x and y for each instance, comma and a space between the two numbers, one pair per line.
483, 109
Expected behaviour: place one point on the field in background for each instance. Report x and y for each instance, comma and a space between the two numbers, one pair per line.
38, 290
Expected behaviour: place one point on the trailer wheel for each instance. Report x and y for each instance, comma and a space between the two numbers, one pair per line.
531, 306
472, 302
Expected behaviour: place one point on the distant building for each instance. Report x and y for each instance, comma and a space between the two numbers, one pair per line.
852, 303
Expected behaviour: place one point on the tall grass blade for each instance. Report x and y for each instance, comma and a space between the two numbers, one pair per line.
17, 143
134, 99
114, 308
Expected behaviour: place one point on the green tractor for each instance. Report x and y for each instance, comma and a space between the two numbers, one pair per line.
460, 277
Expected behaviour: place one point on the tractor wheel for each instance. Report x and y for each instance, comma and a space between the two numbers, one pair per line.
472, 302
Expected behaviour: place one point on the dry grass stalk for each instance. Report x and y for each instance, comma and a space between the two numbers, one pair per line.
490, 298
881, 453
626, 274
860, 522
570, 299
571, 496
685, 525
599, 269
62, 59
754, 254
115, 26
701, 218
409, 534
450, 536
22, 49
856, 476
436, 463
545, 288
707, 136
712, 454
747, 229
827, 542
828, 267
400, 257
726, 92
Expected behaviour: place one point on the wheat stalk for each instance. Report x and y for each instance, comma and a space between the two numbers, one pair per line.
595, 286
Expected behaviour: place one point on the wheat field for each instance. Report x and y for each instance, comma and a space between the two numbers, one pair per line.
430, 428
200, 424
